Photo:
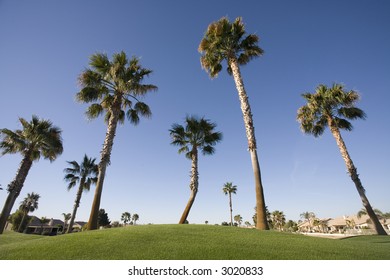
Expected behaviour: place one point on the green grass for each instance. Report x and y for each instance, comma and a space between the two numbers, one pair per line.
189, 242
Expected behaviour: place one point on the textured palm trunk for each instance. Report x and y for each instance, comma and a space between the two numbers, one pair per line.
21, 223
104, 161
252, 146
193, 186
14, 189
231, 209
355, 178
76, 205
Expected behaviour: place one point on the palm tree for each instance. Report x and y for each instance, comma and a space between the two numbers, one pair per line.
37, 138
227, 41
278, 219
333, 107
238, 219
135, 218
114, 88
197, 134
126, 217
228, 189
309, 217
29, 204
67, 217
85, 174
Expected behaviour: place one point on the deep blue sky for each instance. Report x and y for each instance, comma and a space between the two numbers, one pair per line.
45, 45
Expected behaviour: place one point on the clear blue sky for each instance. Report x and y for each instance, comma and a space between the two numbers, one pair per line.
45, 45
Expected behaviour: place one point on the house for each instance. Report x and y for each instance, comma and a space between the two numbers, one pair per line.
51, 227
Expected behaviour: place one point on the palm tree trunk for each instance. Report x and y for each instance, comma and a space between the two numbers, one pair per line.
104, 161
193, 186
252, 146
355, 178
76, 205
231, 208
21, 223
14, 189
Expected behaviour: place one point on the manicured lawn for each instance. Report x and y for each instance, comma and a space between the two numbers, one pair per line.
190, 242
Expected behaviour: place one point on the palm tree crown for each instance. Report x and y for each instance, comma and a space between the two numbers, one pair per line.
115, 87
228, 188
30, 202
329, 105
198, 133
225, 41
37, 138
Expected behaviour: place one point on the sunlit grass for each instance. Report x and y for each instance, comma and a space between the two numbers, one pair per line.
190, 242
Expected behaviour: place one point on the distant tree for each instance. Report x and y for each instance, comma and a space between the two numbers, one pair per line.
228, 189
43, 220
115, 224
278, 219
17, 220
67, 217
196, 134
126, 217
238, 219
247, 223
225, 224
135, 218
103, 220
37, 138
29, 204
333, 107
85, 174
206, 222
228, 41
308, 217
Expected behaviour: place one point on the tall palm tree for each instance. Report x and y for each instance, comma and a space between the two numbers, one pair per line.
228, 189
228, 41
197, 134
37, 138
333, 107
29, 204
85, 174
126, 217
114, 88
67, 217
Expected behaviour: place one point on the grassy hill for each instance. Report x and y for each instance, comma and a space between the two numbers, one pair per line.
189, 242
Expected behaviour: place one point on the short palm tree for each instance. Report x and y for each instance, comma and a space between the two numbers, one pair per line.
126, 217
278, 219
238, 219
29, 204
227, 41
196, 134
114, 88
228, 189
37, 138
85, 174
333, 107
67, 217
135, 218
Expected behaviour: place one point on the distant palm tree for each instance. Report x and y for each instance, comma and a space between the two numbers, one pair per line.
135, 218
308, 217
29, 204
238, 219
114, 88
85, 174
333, 107
197, 134
67, 217
43, 220
227, 41
228, 189
278, 219
37, 138
126, 217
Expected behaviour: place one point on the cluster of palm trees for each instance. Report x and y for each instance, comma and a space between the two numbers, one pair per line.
127, 218
115, 89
